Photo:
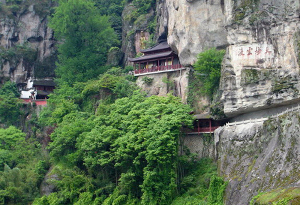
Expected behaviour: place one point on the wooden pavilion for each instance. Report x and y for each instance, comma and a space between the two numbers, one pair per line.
157, 59
204, 123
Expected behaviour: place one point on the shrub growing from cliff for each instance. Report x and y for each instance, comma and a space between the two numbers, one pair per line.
208, 70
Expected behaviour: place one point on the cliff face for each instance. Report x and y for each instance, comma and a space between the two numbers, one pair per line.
259, 157
194, 26
261, 65
26, 42
260, 71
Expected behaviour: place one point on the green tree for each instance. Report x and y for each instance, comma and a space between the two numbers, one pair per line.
9, 89
86, 37
9, 104
208, 70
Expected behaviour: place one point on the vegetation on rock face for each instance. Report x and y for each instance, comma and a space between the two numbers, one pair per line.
278, 197
113, 9
146, 80
17, 53
12, 8
208, 70
244, 8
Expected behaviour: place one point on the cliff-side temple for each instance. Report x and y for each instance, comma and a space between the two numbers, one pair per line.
157, 59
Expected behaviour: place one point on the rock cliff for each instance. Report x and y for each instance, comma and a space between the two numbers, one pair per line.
194, 26
261, 64
260, 71
259, 157
26, 42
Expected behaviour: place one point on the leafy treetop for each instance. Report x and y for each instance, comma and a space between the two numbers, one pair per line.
85, 37
208, 68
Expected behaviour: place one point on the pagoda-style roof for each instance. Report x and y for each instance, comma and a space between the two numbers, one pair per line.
43, 93
157, 59
203, 116
152, 56
44, 83
161, 46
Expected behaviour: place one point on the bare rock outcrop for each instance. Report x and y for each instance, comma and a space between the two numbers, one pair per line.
261, 67
26, 41
194, 26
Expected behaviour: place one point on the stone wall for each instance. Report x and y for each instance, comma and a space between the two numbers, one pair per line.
175, 82
200, 144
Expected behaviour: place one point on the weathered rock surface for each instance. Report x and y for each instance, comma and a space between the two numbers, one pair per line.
175, 82
134, 32
194, 26
259, 157
261, 67
26, 28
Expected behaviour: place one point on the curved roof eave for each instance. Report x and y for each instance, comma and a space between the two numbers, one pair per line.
151, 57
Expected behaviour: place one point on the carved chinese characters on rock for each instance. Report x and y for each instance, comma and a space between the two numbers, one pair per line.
258, 51
241, 52
255, 51
249, 51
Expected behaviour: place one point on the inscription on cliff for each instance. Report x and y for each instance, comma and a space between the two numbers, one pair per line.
254, 51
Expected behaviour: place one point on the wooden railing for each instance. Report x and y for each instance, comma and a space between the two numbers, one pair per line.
158, 69
203, 129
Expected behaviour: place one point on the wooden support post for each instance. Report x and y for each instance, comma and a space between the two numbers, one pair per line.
198, 126
210, 125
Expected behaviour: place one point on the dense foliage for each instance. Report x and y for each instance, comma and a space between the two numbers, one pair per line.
86, 36
110, 143
113, 9
208, 70
22, 167
9, 104
133, 141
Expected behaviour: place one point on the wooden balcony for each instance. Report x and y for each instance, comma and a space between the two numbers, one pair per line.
158, 69
202, 130
41, 102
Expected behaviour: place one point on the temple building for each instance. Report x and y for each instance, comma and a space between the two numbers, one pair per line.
37, 89
204, 123
157, 59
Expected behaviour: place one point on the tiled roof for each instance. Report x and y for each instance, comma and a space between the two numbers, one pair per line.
160, 46
151, 56
42, 92
203, 116
44, 82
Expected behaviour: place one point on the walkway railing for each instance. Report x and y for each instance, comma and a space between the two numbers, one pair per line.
157, 69
296, 108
